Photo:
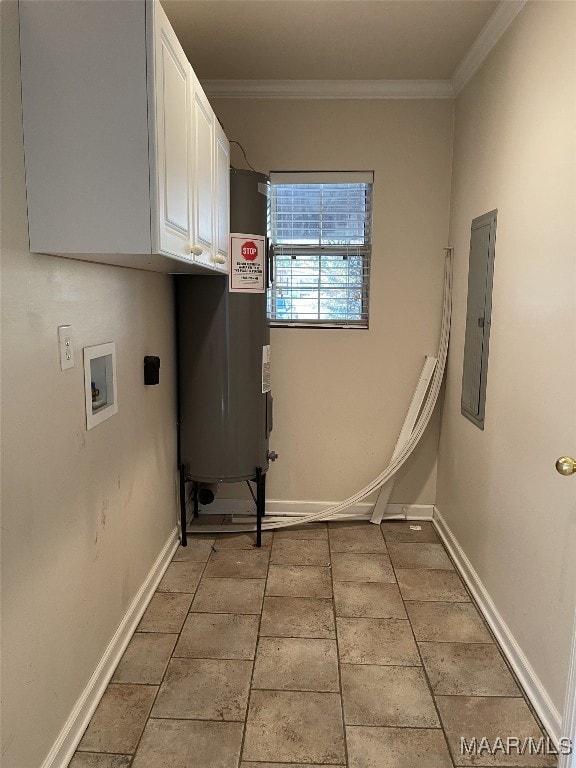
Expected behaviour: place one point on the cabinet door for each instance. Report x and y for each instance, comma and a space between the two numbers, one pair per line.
203, 175
172, 74
222, 198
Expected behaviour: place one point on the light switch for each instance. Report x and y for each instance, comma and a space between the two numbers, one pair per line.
65, 346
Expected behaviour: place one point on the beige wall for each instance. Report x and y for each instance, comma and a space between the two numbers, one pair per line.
340, 396
515, 518
84, 514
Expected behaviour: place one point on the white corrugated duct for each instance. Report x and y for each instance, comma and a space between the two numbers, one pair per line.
406, 443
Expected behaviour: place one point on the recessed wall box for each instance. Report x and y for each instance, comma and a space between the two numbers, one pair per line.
100, 383
478, 317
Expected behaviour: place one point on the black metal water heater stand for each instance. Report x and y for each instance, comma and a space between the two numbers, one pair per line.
260, 480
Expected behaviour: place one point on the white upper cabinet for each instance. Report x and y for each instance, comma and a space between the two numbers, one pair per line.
222, 228
211, 183
119, 138
203, 121
173, 115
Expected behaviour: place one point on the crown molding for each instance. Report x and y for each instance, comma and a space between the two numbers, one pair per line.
497, 24
328, 89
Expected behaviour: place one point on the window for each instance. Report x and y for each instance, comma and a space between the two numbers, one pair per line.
320, 235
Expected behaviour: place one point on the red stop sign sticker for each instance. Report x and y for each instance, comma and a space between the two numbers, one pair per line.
249, 250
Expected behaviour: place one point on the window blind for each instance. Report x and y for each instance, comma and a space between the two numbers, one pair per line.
321, 237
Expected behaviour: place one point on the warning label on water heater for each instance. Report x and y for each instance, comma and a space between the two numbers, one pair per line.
266, 380
247, 263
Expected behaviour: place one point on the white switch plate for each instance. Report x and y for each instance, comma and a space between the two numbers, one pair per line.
65, 347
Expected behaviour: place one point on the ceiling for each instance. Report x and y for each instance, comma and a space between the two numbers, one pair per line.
327, 39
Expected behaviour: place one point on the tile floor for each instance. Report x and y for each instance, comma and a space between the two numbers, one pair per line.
340, 645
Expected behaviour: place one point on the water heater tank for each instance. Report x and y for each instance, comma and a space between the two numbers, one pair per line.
225, 418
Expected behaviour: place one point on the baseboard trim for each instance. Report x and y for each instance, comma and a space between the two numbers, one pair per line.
301, 508
69, 737
569, 721
530, 682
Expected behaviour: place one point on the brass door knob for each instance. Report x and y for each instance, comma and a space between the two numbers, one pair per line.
566, 465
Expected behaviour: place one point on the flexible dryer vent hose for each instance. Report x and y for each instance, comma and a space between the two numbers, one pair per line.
402, 455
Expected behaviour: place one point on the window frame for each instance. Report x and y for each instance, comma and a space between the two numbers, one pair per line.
347, 250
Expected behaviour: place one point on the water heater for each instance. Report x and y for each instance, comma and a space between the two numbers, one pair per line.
225, 414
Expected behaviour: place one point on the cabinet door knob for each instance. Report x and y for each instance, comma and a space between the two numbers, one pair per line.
196, 250
220, 259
